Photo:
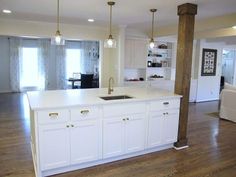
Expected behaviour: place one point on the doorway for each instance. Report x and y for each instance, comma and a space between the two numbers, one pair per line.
228, 66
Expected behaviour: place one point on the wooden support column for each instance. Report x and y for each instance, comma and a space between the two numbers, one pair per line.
186, 14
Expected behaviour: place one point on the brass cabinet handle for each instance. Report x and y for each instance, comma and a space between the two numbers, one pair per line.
67, 126
127, 118
72, 125
84, 111
166, 103
53, 115
167, 113
123, 119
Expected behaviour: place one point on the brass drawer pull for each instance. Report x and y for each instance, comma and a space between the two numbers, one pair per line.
84, 111
53, 115
166, 103
165, 113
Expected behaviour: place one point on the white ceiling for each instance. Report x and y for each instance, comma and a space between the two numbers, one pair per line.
133, 13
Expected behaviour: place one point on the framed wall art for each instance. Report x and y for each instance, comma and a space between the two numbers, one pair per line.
209, 60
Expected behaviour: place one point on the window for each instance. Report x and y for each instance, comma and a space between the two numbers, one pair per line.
29, 76
72, 62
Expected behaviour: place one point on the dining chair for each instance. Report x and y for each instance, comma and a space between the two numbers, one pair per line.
86, 81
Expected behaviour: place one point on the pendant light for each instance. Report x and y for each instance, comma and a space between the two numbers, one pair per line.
58, 39
110, 42
151, 43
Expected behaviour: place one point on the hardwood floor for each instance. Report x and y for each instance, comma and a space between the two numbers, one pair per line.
211, 152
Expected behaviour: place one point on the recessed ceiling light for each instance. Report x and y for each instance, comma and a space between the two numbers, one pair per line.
90, 20
6, 11
234, 27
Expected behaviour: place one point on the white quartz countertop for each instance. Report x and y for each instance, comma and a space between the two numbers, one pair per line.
39, 100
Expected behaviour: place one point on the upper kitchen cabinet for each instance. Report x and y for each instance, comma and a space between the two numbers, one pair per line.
135, 53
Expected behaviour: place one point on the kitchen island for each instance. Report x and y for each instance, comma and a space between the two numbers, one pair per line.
74, 129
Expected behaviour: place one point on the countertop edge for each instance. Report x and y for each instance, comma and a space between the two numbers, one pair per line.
103, 102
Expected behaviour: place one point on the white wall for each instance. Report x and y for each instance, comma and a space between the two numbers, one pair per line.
208, 87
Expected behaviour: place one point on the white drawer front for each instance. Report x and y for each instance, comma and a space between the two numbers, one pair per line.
165, 112
123, 109
53, 116
84, 113
164, 104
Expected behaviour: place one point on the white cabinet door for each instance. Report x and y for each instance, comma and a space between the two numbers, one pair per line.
113, 137
135, 53
54, 142
84, 141
140, 55
129, 53
155, 129
170, 128
163, 127
135, 133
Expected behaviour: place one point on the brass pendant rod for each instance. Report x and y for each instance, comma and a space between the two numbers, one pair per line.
110, 17
57, 15
152, 23
153, 11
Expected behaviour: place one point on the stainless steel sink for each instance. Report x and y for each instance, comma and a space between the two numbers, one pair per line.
117, 97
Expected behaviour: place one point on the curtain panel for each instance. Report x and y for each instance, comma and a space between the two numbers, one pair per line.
43, 60
61, 67
15, 63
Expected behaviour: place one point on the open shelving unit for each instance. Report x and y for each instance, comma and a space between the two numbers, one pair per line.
159, 61
143, 64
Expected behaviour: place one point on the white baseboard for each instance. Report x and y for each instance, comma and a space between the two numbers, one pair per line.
5, 91
179, 148
205, 100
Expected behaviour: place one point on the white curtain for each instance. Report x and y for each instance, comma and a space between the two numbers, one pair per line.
43, 61
16, 72
61, 67
15, 63
89, 56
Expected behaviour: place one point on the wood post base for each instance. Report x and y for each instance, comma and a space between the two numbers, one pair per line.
181, 144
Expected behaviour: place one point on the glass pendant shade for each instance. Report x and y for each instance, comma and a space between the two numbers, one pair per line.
58, 39
151, 44
110, 42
